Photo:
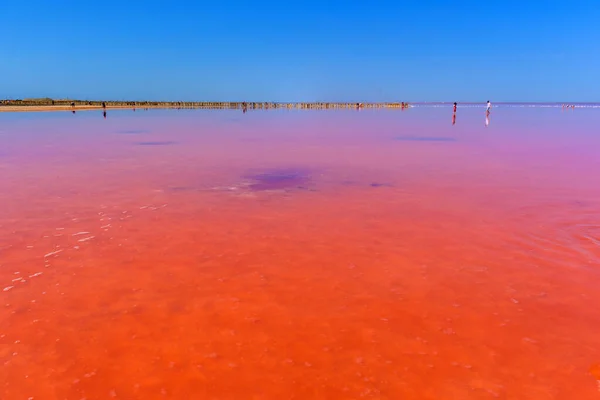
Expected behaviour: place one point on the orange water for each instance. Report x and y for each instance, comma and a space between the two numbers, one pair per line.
384, 255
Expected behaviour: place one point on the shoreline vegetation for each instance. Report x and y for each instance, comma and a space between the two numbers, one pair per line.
48, 104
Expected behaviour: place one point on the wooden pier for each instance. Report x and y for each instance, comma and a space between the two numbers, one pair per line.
49, 104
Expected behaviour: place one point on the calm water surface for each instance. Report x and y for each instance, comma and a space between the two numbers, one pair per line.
300, 255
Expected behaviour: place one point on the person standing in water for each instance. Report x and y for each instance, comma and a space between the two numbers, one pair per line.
488, 108
454, 114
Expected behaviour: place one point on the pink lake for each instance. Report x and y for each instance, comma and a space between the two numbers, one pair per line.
376, 254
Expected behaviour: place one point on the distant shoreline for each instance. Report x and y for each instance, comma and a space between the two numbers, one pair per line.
10, 108
78, 105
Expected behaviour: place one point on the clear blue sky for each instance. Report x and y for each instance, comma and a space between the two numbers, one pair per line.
304, 50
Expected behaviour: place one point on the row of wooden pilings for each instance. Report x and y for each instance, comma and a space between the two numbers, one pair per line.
207, 105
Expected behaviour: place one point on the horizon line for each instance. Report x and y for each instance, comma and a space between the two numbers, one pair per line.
31, 99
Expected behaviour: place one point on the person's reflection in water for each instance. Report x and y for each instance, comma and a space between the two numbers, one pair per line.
104, 114
487, 118
73, 111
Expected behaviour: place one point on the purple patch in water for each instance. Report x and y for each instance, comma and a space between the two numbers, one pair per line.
133, 131
165, 143
425, 139
277, 179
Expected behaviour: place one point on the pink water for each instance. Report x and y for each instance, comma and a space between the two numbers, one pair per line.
300, 255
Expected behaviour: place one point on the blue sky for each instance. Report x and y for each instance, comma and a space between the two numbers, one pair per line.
301, 50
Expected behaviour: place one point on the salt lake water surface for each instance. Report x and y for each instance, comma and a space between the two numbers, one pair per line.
376, 254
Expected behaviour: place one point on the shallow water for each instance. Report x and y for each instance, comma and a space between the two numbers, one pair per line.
379, 254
